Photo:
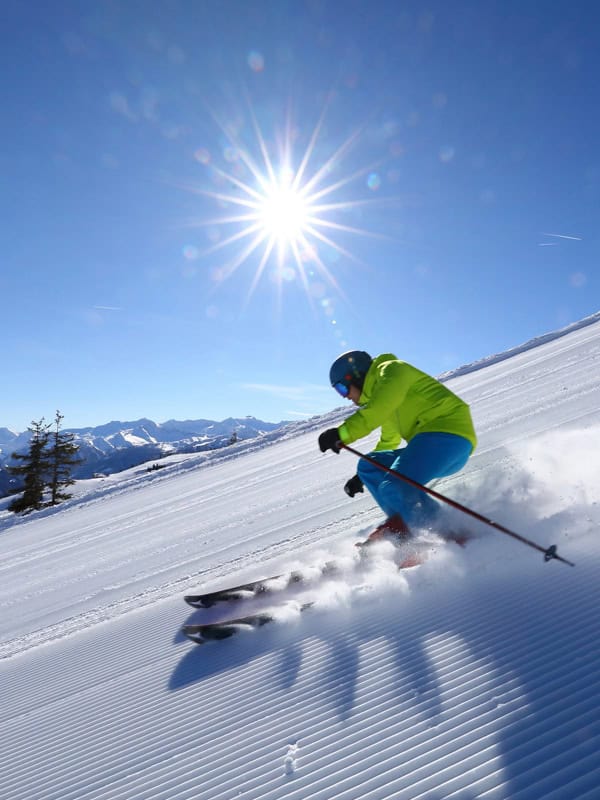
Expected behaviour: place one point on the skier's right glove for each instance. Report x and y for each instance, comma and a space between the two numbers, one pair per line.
330, 440
354, 486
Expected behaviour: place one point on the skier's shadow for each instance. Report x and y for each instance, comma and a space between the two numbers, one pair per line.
204, 661
411, 669
339, 668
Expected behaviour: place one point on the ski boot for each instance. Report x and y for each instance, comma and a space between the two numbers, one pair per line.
393, 530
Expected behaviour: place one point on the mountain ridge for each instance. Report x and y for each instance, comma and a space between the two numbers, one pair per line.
115, 446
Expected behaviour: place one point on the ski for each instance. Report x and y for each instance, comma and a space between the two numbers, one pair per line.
244, 590
417, 552
225, 629
413, 553
260, 587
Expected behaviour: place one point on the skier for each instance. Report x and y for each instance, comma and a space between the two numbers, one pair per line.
406, 404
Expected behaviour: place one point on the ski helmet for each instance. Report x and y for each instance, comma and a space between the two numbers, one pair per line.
349, 368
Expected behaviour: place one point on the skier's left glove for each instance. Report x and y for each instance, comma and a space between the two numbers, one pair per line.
354, 486
330, 440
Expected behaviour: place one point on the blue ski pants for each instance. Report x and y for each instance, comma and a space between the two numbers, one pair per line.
425, 457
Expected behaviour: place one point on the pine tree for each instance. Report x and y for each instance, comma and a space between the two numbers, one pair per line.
62, 458
33, 470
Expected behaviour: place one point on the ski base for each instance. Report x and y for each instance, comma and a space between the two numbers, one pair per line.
244, 590
224, 630
216, 631
258, 588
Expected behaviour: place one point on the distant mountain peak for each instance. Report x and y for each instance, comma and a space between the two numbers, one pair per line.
118, 445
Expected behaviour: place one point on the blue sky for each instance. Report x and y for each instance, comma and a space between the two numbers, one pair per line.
437, 171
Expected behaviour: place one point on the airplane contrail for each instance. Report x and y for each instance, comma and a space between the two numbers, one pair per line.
563, 236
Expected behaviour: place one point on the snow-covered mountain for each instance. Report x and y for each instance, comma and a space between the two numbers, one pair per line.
116, 446
474, 676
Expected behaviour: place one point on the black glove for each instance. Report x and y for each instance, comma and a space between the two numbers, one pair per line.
329, 440
354, 486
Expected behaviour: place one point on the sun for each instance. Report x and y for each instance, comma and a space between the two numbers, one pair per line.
283, 212
277, 210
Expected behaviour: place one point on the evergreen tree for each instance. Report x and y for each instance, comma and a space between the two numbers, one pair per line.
33, 470
62, 458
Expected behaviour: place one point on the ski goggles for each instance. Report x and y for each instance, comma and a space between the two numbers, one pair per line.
342, 389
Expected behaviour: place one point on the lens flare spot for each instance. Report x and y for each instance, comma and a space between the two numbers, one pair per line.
288, 274
218, 274
213, 235
328, 309
190, 252
202, 155
309, 253
256, 61
446, 154
231, 154
374, 181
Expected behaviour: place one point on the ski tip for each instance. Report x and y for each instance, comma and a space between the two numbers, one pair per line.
210, 600
209, 635
224, 630
195, 638
195, 602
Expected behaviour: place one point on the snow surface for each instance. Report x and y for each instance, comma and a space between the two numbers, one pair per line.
472, 676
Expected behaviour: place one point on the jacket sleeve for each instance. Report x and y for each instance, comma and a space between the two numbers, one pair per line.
388, 394
389, 439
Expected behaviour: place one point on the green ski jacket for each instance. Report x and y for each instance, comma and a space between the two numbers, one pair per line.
403, 401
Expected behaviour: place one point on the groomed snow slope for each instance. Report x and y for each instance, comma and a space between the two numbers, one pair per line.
473, 676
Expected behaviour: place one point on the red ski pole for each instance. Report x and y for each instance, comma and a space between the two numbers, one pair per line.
549, 552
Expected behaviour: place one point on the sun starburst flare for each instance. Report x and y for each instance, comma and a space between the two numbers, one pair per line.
280, 212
